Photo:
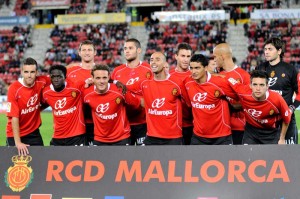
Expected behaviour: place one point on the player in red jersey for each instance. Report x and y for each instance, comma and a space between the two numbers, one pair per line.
108, 109
162, 101
132, 74
264, 110
207, 97
80, 73
23, 109
181, 71
223, 58
65, 98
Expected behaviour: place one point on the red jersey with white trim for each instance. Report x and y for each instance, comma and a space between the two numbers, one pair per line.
187, 116
109, 114
24, 103
132, 78
79, 75
262, 114
209, 105
163, 108
67, 110
237, 118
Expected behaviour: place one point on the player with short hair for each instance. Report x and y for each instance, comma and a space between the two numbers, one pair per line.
282, 79
180, 72
80, 73
132, 73
206, 95
264, 110
162, 102
23, 109
108, 109
223, 58
65, 98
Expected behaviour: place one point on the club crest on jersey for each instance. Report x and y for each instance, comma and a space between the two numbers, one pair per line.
174, 91
283, 75
217, 93
73, 94
271, 112
238, 80
19, 176
272, 74
118, 100
148, 75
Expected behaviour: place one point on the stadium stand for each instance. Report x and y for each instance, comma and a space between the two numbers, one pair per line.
202, 36
13, 42
258, 32
109, 41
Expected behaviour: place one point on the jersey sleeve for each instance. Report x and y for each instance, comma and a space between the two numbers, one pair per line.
236, 86
132, 100
284, 110
297, 92
12, 104
228, 90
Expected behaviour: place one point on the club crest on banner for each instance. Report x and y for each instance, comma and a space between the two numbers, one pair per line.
19, 176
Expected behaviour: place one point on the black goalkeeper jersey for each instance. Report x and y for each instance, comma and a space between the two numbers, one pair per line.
282, 79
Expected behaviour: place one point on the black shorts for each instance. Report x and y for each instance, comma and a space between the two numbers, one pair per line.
255, 135
197, 140
187, 133
89, 129
237, 137
71, 141
138, 134
32, 139
124, 142
162, 141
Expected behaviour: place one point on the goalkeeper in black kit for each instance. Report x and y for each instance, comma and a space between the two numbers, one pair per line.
283, 78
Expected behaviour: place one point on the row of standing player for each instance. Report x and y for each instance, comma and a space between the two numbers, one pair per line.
137, 76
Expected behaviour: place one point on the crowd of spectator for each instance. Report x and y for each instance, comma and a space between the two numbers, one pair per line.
13, 43
258, 32
109, 41
202, 36
77, 7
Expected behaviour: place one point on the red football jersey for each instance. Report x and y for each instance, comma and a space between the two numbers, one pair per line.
109, 114
163, 108
262, 114
209, 106
67, 110
237, 119
79, 75
187, 116
132, 78
24, 103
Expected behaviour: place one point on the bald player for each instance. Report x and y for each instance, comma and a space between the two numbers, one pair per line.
223, 58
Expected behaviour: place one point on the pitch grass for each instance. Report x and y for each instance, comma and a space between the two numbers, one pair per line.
47, 127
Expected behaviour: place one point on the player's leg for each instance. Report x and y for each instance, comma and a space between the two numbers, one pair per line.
291, 136
138, 134
89, 129
187, 133
237, 137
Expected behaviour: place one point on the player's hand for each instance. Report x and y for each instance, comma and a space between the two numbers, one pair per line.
121, 86
281, 141
88, 82
22, 149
